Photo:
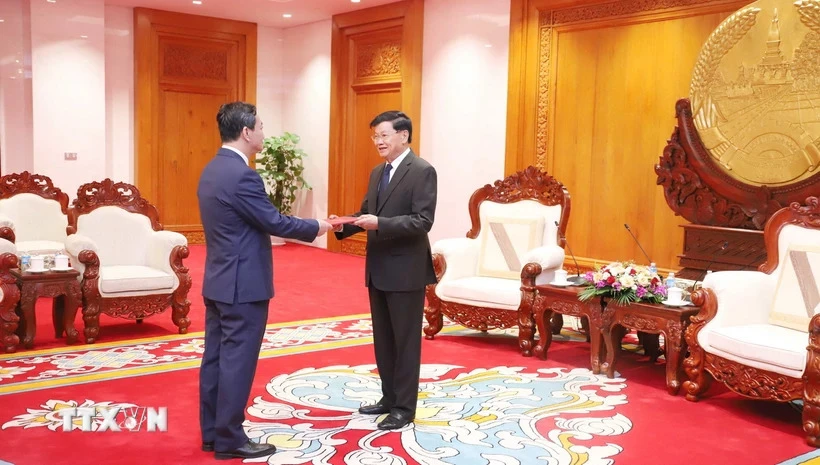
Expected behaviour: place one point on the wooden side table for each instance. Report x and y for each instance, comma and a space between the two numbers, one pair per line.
64, 287
653, 319
545, 300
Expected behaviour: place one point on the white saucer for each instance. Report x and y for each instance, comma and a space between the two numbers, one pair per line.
563, 284
37, 271
682, 303
63, 269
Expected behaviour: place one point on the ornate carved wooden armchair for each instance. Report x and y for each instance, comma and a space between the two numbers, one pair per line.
479, 277
758, 332
130, 267
33, 213
9, 296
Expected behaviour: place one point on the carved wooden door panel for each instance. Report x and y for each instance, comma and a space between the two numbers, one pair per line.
186, 67
376, 67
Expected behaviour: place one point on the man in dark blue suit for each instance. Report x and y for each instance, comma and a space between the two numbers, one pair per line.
238, 220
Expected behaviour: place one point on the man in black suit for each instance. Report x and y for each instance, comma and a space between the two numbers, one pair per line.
397, 212
238, 220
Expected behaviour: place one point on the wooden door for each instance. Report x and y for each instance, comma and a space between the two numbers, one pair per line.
186, 67
375, 67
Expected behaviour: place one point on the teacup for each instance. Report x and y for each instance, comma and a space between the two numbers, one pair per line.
61, 261
38, 263
674, 295
561, 276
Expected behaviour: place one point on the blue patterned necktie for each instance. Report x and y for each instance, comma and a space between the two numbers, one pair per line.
385, 179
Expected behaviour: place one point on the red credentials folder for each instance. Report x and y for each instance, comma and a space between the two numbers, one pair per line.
342, 220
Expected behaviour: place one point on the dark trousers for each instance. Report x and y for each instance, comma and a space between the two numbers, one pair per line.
397, 320
233, 337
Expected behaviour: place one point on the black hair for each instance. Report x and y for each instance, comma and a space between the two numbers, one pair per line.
399, 120
233, 117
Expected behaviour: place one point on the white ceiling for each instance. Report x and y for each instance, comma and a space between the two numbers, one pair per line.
263, 12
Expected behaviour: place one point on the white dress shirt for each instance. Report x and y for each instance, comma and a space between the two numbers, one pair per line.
397, 162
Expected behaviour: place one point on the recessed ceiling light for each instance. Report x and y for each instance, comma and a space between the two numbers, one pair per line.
355, 1
197, 2
287, 15
2, 20
51, 1
488, 45
83, 37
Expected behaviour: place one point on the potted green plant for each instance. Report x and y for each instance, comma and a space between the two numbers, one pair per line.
280, 166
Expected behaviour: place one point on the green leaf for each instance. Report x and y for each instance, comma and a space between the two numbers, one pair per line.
281, 168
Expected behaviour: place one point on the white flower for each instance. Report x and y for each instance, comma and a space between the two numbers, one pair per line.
643, 279
627, 281
617, 270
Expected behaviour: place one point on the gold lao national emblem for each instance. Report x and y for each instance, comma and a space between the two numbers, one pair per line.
755, 92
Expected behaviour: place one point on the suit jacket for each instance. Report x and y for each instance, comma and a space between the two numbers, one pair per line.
398, 252
238, 220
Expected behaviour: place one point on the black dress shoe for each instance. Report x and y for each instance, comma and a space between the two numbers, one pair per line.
250, 450
396, 420
208, 446
378, 409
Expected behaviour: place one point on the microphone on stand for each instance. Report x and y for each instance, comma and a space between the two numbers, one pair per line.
648, 260
577, 279
706, 271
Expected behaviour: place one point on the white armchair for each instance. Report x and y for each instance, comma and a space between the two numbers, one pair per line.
479, 277
9, 296
758, 332
130, 267
33, 213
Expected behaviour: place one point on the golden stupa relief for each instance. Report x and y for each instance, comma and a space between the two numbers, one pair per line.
755, 92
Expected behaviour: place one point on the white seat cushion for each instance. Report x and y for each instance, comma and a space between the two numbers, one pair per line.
129, 278
482, 291
770, 344
39, 246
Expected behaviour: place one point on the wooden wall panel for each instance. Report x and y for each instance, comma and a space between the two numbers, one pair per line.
594, 106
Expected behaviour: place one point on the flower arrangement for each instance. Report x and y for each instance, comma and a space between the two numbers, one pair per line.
625, 283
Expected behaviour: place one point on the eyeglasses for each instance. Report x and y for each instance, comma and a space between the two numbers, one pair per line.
382, 136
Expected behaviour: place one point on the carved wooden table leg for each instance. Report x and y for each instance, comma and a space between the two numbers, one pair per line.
64, 312
611, 346
675, 352
28, 297
597, 346
543, 314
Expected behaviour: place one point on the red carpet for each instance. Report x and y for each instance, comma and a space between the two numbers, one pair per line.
661, 428
480, 402
305, 280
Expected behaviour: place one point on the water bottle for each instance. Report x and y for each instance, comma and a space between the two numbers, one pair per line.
670, 281
25, 261
653, 269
